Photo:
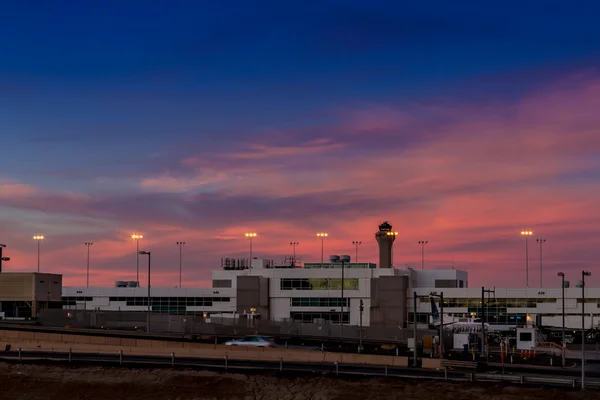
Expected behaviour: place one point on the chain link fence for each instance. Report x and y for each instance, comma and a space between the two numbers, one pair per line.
223, 326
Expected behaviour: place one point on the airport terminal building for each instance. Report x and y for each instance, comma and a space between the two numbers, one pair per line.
340, 290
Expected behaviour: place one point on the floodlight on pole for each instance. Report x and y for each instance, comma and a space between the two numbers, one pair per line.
38, 239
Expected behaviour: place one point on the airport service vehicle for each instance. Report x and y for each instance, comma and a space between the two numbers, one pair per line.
252, 341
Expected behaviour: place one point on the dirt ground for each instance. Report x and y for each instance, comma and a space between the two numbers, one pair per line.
57, 382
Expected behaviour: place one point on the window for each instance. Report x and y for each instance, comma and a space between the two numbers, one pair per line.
221, 283
422, 318
318, 284
309, 317
445, 283
525, 336
319, 302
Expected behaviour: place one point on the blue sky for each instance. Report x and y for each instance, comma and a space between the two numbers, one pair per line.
130, 116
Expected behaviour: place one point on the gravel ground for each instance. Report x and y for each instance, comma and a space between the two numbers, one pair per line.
57, 382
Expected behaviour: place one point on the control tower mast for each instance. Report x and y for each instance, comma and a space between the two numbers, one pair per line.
385, 238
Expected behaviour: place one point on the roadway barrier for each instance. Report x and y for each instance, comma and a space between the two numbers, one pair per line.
227, 363
214, 351
458, 364
431, 363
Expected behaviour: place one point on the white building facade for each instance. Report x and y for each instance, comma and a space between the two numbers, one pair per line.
318, 292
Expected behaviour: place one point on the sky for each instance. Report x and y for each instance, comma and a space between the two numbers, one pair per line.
460, 123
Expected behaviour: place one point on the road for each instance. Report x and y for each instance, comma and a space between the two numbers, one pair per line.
567, 377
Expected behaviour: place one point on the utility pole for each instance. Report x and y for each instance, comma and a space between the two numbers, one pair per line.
423, 243
541, 241
526, 234
322, 235
180, 244
294, 244
356, 243
483, 333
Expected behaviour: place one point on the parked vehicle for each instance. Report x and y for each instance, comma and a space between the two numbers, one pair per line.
253, 341
569, 339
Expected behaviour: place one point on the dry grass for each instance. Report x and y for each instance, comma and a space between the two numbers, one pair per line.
33, 382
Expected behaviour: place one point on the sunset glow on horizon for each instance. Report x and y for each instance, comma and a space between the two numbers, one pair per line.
470, 129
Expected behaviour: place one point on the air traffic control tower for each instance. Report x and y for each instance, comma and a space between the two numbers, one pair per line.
385, 238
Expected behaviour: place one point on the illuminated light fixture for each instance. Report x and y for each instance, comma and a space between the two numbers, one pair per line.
39, 239
250, 236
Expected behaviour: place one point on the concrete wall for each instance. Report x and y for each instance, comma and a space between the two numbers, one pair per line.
388, 300
253, 292
16, 286
47, 287
231, 327
37, 341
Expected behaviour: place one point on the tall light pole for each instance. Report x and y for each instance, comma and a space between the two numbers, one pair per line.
87, 276
322, 235
541, 241
250, 236
137, 238
180, 244
149, 302
2, 246
583, 275
564, 284
38, 239
294, 244
356, 243
526, 234
423, 243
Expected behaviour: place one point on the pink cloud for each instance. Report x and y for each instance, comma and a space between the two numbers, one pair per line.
468, 187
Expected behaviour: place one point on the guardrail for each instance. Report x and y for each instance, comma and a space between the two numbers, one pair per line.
459, 364
281, 365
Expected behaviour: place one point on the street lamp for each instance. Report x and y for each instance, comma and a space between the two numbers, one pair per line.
148, 316
1, 257
322, 235
541, 241
343, 259
356, 243
87, 279
294, 244
39, 239
137, 238
180, 244
564, 284
423, 243
583, 275
250, 236
526, 234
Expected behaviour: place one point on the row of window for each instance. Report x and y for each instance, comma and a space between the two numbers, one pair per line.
310, 317
319, 302
156, 301
318, 284
501, 303
168, 301
507, 319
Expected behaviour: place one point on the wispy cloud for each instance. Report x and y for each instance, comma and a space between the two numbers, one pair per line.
466, 178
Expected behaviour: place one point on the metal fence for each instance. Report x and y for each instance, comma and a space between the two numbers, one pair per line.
222, 326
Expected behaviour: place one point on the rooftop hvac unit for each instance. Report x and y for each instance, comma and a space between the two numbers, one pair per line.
133, 284
334, 259
579, 284
120, 284
345, 259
